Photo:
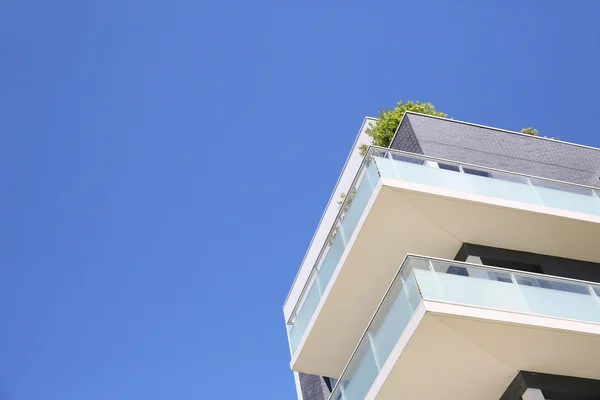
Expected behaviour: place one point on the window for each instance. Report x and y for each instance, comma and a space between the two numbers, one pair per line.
449, 167
477, 172
516, 265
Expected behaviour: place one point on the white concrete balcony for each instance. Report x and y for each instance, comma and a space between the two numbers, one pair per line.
404, 203
451, 330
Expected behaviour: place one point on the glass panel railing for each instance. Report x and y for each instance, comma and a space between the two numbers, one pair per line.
509, 291
425, 172
362, 374
567, 197
384, 332
330, 258
488, 182
423, 278
358, 201
305, 312
434, 172
503, 186
352, 209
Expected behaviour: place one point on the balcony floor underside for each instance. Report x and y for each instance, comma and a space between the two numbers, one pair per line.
464, 353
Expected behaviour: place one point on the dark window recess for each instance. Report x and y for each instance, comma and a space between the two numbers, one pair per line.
516, 265
546, 283
536, 263
567, 287
449, 167
526, 281
476, 172
500, 277
329, 382
555, 387
400, 157
456, 270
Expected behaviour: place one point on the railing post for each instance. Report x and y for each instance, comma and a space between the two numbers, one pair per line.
366, 172
372, 347
342, 234
342, 391
537, 195
437, 282
430, 266
318, 283
596, 195
593, 293
398, 175
403, 291
523, 297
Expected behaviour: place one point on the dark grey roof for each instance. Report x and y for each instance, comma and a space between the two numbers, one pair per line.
496, 148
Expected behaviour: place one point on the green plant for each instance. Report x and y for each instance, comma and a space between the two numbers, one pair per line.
388, 120
343, 197
530, 131
534, 132
382, 133
340, 203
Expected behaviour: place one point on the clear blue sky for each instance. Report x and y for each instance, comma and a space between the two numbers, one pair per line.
164, 166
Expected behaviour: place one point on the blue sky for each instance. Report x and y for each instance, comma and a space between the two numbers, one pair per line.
164, 166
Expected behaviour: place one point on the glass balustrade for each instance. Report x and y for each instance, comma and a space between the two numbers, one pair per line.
350, 213
433, 173
422, 278
487, 182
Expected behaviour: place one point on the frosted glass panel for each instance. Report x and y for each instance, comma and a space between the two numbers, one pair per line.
304, 316
555, 303
393, 317
330, 261
470, 291
569, 201
503, 188
508, 291
357, 207
432, 176
360, 375
459, 178
503, 185
383, 334
386, 168
372, 174
459, 283
332, 254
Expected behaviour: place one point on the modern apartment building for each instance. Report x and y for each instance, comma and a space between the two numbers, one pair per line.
463, 264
